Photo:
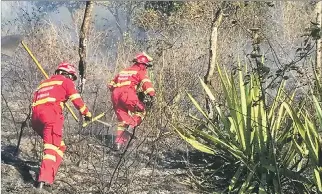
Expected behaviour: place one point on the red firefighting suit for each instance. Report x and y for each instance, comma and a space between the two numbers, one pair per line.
128, 108
48, 120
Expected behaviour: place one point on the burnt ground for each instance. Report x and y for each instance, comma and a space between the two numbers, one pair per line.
151, 166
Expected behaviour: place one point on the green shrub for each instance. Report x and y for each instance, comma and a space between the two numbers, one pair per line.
274, 146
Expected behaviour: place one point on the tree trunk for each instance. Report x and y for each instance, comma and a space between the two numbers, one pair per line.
318, 65
212, 55
318, 59
82, 66
83, 44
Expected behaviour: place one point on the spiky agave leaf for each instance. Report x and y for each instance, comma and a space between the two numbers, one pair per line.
311, 141
318, 110
192, 141
251, 132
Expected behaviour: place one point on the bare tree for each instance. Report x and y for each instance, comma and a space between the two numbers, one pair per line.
83, 44
212, 54
318, 65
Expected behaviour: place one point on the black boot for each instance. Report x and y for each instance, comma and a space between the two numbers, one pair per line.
45, 186
117, 147
40, 185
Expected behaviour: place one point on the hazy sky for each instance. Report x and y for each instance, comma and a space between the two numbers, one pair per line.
10, 10
103, 19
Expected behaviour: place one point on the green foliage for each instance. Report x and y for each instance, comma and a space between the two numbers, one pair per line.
314, 31
273, 145
317, 90
165, 7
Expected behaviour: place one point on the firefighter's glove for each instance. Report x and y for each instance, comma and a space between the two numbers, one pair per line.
149, 101
152, 99
141, 96
88, 116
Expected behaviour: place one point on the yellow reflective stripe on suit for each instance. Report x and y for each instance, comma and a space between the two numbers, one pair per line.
49, 157
51, 83
82, 109
126, 83
43, 101
55, 148
74, 96
145, 80
128, 72
149, 90
121, 126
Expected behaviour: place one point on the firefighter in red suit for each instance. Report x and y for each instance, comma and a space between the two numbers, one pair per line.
127, 106
48, 120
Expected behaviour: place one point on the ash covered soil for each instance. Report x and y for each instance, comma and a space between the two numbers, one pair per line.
151, 165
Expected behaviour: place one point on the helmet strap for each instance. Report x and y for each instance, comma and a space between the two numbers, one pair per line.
65, 74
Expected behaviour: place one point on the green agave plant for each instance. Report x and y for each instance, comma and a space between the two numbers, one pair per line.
271, 145
308, 130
